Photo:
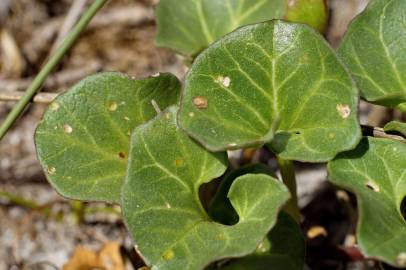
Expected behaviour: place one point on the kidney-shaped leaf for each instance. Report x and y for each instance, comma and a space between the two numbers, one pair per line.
272, 76
376, 172
220, 208
83, 139
374, 48
396, 127
282, 249
161, 203
189, 26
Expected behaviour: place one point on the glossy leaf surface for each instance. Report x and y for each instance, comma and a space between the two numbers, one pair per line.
272, 80
161, 202
189, 26
220, 208
312, 12
83, 139
374, 48
283, 249
376, 172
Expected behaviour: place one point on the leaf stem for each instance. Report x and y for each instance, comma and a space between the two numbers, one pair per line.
50, 65
288, 176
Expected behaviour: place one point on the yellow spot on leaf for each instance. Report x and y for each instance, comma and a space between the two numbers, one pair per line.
113, 106
168, 255
179, 162
343, 110
54, 106
51, 170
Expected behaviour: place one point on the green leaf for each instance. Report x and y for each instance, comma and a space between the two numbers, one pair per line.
312, 12
283, 249
83, 139
396, 127
272, 77
189, 26
374, 48
376, 172
220, 209
161, 203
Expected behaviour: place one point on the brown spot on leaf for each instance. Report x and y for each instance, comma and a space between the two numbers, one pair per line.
121, 155
200, 102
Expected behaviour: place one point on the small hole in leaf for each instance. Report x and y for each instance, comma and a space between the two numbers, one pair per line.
121, 155
403, 208
372, 186
298, 132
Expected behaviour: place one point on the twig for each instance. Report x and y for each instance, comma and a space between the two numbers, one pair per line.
131, 15
44, 98
57, 80
70, 20
380, 133
49, 66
